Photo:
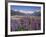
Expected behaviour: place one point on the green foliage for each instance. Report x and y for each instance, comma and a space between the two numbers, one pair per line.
20, 29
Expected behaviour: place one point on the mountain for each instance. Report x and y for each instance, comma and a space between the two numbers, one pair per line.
37, 13
16, 13
25, 14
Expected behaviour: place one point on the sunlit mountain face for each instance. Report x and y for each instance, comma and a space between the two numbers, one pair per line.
27, 13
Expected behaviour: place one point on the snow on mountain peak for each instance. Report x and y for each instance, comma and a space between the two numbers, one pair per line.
25, 11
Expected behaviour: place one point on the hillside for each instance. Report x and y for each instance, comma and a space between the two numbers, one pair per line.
21, 13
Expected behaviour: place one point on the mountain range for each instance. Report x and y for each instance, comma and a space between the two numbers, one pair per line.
26, 13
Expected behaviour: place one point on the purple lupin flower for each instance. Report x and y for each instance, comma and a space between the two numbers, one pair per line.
14, 25
25, 23
35, 24
38, 22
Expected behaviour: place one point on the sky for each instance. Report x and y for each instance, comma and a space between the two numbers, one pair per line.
29, 8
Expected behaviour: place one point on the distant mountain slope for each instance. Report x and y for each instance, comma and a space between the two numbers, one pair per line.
16, 13
21, 13
37, 13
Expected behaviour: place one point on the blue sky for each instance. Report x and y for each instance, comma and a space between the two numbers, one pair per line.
29, 8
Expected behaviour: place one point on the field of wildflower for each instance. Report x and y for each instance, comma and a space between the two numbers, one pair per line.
25, 23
